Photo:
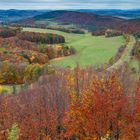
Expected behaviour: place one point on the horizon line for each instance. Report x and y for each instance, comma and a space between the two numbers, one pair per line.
71, 9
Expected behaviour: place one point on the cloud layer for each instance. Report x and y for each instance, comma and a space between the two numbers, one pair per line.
69, 4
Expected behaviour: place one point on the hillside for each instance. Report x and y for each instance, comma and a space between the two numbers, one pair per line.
12, 15
125, 14
137, 21
80, 19
87, 20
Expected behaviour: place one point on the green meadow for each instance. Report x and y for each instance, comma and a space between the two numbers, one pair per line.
90, 50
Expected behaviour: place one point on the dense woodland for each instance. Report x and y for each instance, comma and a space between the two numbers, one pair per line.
41, 37
67, 30
5, 32
28, 52
70, 105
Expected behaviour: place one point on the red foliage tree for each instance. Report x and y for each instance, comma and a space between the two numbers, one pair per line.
102, 111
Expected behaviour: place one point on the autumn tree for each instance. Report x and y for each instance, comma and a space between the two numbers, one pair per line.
100, 111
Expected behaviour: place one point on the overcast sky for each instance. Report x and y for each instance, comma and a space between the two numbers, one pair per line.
69, 4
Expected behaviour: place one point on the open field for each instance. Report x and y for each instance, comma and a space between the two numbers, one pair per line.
91, 50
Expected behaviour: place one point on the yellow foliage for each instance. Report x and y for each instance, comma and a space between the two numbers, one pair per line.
32, 58
3, 90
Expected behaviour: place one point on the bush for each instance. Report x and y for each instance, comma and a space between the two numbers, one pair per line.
3, 90
33, 72
13, 133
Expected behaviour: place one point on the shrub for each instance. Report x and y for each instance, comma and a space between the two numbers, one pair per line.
33, 72
13, 133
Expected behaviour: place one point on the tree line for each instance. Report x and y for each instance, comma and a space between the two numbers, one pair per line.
48, 38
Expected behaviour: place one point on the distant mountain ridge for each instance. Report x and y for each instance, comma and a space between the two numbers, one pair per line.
89, 19
79, 18
13, 15
125, 14
16, 15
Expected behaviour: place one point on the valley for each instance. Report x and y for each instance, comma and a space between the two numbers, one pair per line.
90, 50
69, 74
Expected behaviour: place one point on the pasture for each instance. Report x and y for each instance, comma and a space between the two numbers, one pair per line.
90, 50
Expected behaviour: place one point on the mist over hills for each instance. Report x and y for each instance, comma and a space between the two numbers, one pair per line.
13, 15
89, 19
125, 14
16, 15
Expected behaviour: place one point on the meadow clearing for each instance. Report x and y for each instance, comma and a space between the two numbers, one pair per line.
90, 50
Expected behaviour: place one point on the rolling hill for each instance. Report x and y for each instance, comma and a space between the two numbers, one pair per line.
79, 18
125, 14
13, 15
88, 20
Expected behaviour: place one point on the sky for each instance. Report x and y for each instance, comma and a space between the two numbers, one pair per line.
70, 4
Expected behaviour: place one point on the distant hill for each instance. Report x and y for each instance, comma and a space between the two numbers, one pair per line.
137, 20
12, 15
51, 15
125, 14
89, 20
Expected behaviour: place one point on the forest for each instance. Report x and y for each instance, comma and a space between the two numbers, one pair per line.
69, 75
24, 56
71, 105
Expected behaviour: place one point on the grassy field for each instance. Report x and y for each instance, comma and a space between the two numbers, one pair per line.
90, 50
55, 24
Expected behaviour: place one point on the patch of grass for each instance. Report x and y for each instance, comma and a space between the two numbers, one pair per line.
91, 50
